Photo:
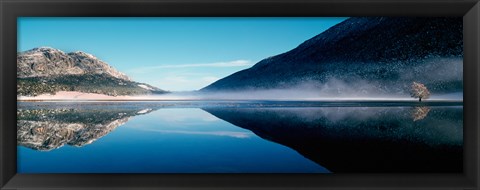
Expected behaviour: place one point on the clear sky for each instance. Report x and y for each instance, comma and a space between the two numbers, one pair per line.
176, 54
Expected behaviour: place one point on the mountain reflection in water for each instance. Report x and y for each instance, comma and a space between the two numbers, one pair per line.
341, 139
47, 129
362, 139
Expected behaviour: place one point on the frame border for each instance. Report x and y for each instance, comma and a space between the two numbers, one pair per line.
10, 10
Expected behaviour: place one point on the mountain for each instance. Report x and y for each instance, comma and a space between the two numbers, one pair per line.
387, 52
48, 70
46, 61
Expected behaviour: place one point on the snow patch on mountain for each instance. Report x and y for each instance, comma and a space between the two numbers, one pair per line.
145, 87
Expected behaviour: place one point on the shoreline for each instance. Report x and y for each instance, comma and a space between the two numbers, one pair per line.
239, 100
74, 96
194, 103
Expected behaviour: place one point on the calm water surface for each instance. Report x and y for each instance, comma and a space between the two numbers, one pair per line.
238, 137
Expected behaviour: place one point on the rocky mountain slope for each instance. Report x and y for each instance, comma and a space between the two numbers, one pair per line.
47, 61
387, 52
87, 83
48, 70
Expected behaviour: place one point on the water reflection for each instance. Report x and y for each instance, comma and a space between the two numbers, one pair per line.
420, 113
341, 139
47, 129
361, 139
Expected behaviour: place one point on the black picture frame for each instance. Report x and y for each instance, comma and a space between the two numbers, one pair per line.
11, 9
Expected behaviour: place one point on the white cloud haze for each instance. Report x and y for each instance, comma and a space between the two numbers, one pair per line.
235, 63
187, 77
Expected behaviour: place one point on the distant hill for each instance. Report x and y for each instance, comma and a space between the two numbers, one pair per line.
48, 70
388, 53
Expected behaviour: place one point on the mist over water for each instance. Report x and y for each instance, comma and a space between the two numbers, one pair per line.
332, 91
383, 81
295, 94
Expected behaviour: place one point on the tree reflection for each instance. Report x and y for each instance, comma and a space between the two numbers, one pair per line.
420, 113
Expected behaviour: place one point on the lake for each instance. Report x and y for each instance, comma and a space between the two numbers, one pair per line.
239, 137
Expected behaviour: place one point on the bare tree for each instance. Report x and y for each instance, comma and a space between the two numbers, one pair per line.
419, 91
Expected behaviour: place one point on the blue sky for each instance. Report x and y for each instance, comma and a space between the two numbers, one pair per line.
176, 54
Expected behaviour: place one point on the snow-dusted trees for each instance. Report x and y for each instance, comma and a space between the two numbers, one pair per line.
419, 90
